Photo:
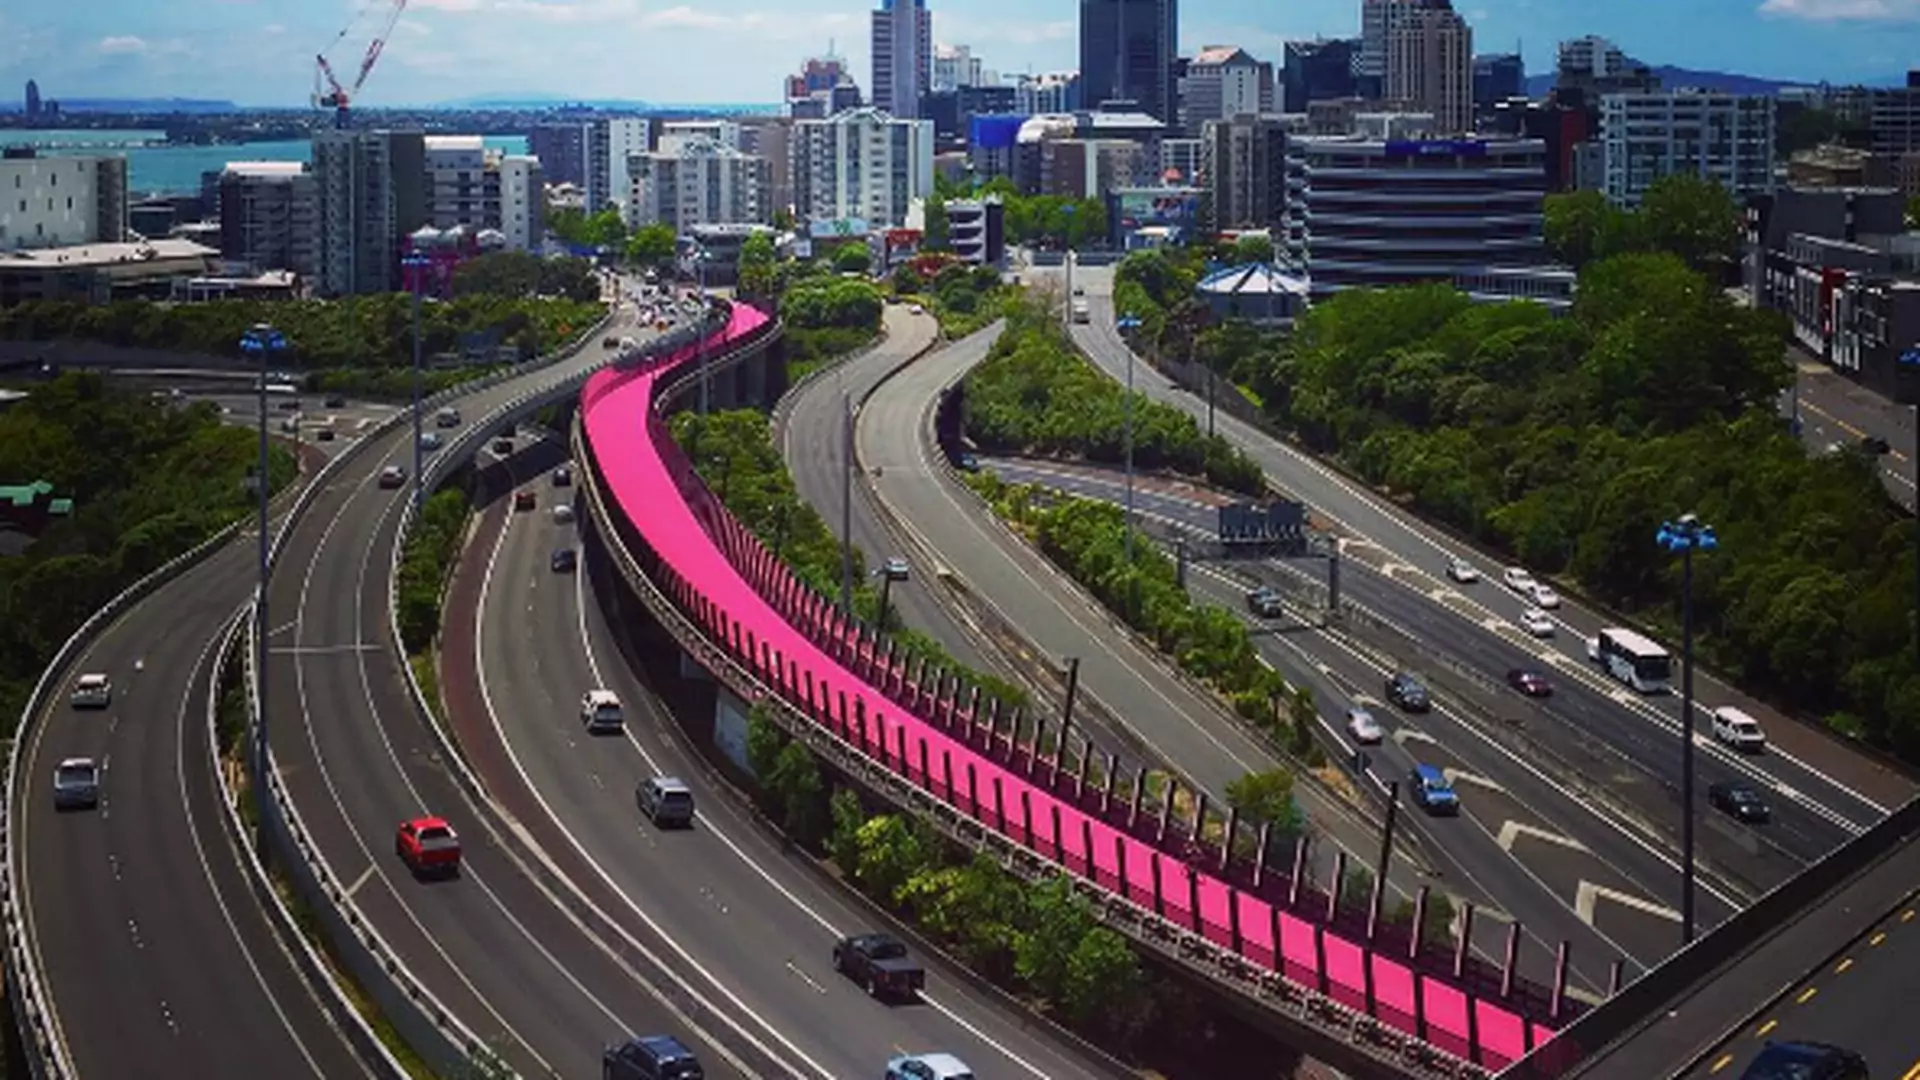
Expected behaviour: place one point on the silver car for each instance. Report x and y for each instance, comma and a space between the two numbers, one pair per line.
92, 691
76, 784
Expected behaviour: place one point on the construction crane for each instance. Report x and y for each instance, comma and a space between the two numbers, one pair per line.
327, 91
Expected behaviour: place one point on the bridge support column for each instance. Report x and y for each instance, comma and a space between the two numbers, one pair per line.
1026, 816
1337, 887
1462, 943
1299, 871
1166, 809
1226, 839
1159, 899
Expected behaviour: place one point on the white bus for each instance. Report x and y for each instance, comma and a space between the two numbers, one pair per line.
1632, 658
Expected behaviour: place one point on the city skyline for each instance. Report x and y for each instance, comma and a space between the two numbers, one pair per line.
259, 52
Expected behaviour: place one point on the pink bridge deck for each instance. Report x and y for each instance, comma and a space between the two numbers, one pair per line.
744, 598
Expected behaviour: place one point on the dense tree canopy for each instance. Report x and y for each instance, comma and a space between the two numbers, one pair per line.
651, 245
1047, 221
604, 229
964, 298
515, 274
827, 316
148, 481
759, 267
1680, 214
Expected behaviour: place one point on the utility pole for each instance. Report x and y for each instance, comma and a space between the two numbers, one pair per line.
846, 503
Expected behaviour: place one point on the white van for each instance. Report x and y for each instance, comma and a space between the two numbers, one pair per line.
600, 712
1738, 730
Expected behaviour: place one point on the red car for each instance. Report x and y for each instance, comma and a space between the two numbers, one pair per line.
428, 846
1530, 683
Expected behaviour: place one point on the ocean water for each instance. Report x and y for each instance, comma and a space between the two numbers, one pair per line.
176, 169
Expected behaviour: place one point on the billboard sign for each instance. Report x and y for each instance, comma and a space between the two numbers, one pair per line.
1436, 148
1139, 208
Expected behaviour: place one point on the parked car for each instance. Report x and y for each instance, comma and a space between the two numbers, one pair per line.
1739, 800
1806, 1061
325, 434
393, 476
1462, 571
92, 691
1536, 622
1264, 602
428, 846
1432, 791
666, 801
1517, 579
928, 1067
1529, 682
1544, 596
564, 561
650, 1057
1363, 728
1875, 445
1738, 730
1405, 691
881, 964
76, 784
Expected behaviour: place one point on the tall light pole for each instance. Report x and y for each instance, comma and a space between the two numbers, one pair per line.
1067, 308
416, 265
700, 327
1684, 537
1127, 323
262, 342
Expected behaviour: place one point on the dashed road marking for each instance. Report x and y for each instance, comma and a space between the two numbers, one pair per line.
1493, 623
1842, 966
1721, 1062
1406, 735
1512, 831
1806, 995
1621, 697
1589, 895
1766, 1029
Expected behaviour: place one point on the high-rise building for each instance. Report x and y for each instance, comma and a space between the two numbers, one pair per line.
372, 189
1378, 20
902, 56
1595, 67
1893, 117
1224, 81
698, 182
861, 164
822, 87
1320, 70
61, 201
1728, 138
472, 186
1255, 179
591, 154
270, 216
523, 201
1050, 92
1128, 50
1496, 78
1430, 65
955, 66
770, 138
562, 150
33, 100
677, 133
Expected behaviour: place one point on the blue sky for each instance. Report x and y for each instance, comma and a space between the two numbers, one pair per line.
259, 52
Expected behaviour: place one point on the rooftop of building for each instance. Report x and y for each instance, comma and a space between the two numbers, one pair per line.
1216, 55
1253, 279
455, 142
1122, 121
264, 169
80, 256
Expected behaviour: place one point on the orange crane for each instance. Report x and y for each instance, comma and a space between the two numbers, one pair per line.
339, 97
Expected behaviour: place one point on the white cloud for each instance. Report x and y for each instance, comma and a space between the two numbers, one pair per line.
273, 29
122, 44
449, 5
975, 32
683, 17
1844, 10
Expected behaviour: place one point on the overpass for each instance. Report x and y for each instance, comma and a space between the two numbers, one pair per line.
1381, 1003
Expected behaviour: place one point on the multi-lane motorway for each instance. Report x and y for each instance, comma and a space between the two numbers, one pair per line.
154, 947
745, 909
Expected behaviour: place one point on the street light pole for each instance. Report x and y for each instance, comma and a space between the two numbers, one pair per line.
1128, 322
1685, 536
846, 503
264, 342
700, 327
416, 265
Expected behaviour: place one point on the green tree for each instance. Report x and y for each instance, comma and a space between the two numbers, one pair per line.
653, 245
1693, 218
759, 275
1253, 248
1057, 920
939, 234
796, 781
1266, 798
891, 851
1302, 713
852, 259
1103, 985
1579, 226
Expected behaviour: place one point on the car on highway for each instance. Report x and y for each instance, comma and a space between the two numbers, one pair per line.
525, 499
91, 691
897, 569
1739, 800
76, 784
429, 442
1363, 728
600, 712
503, 445
1405, 691
1264, 602
928, 1067
1432, 791
324, 434
392, 476
564, 561
1462, 571
562, 513
1543, 596
1806, 1061
563, 477
336, 401
1536, 622
429, 846
916, 309
650, 1057
968, 463
1875, 445
666, 801
1736, 729
1517, 579
447, 418
1529, 682
880, 963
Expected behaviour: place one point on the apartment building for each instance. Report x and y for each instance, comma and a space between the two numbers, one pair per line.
1893, 117
1255, 176
1728, 138
677, 133
902, 56
1128, 52
1223, 81
61, 201
270, 216
862, 164
372, 192
698, 182
591, 154
472, 186
1430, 65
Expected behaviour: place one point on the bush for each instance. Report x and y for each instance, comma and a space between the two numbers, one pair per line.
432, 548
826, 317
1034, 395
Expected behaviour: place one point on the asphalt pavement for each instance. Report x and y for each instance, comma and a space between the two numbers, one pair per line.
1835, 409
498, 951
759, 923
1804, 765
158, 957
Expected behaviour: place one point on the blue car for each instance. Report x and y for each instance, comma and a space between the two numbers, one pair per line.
1432, 791
651, 1057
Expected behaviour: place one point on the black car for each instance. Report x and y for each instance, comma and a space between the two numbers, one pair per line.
1740, 801
336, 402
1806, 1061
1264, 602
1405, 691
563, 477
1530, 683
565, 561
1875, 445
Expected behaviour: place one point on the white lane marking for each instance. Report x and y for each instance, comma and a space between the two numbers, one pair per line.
1512, 831
709, 826
206, 867
1405, 735
493, 716
359, 881
1457, 777
1588, 896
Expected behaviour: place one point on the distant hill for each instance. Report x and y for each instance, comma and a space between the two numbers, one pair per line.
537, 101
149, 106
1724, 81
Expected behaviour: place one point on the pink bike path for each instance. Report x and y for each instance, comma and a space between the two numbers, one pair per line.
743, 597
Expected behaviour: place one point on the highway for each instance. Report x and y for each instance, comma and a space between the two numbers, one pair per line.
155, 949
1804, 766
746, 909
1834, 409
493, 946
